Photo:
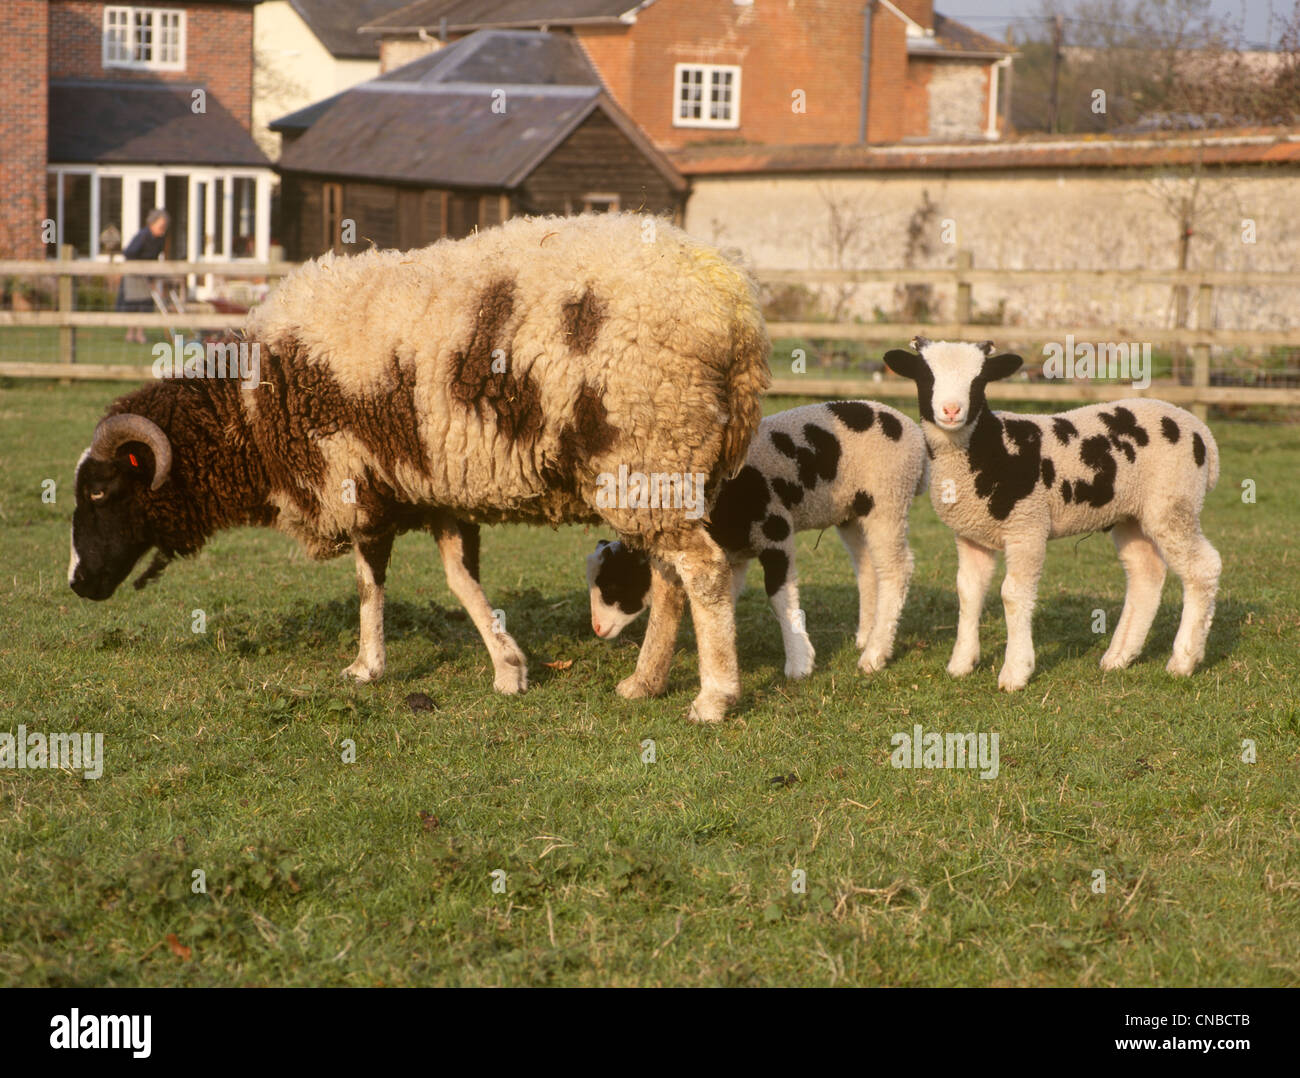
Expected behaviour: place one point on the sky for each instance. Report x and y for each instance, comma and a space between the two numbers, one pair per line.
991, 16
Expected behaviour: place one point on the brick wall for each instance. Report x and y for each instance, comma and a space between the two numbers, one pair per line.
815, 47
218, 50
23, 118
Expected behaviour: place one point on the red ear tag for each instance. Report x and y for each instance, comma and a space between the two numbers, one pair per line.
134, 463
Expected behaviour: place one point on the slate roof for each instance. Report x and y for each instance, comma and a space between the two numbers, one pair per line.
143, 123
432, 122
955, 39
336, 23
1240, 146
463, 15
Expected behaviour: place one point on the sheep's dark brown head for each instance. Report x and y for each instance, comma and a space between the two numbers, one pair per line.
129, 458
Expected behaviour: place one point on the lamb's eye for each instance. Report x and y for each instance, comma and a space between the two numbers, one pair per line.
98, 495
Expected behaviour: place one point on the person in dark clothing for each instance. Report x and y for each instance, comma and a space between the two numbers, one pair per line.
134, 294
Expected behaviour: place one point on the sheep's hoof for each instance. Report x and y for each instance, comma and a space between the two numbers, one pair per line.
873, 661
709, 708
1115, 662
362, 672
633, 687
511, 676
1013, 679
1181, 665
960, 667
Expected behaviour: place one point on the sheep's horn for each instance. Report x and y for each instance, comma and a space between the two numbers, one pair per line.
116, 430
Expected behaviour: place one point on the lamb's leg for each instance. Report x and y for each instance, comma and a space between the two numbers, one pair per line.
893, 562
458, 544
1145, 570
853, 534
667, 600
783, 593
975, 565
704, 572
738, 571
372, 567
1019, 593
1190, 555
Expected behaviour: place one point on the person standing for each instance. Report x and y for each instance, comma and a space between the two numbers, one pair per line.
135, 293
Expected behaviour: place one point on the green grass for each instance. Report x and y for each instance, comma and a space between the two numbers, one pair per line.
223, 754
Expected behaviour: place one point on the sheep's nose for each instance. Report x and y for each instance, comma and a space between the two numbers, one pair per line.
951, 411
595, 627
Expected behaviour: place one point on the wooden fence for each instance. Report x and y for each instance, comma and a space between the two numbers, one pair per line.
962, 278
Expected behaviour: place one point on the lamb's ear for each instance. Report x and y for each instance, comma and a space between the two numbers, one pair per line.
907, 364
920, 344
986, 347
1003, 366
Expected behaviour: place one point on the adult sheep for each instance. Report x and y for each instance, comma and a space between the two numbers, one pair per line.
1138, 468
498, 378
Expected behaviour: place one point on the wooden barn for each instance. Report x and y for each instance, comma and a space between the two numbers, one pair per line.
499, 123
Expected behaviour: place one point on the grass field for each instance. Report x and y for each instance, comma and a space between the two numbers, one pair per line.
223, 753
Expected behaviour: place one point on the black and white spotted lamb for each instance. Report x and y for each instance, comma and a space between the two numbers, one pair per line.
1137, 468
851, 465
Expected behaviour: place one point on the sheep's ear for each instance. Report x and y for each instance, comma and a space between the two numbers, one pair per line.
986, 347
920, 344
903, 363
1003, 366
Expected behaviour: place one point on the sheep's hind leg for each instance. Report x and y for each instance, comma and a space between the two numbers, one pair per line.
1019, 594
706, 576
1145, 570
1189, 554
853, 534
893, 563
653, 663
458, 544
372, 568
975, 565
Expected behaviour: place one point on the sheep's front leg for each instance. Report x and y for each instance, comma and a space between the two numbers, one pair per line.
707, 578
783, 593
1019, 594
458, 544
372, 568
653, 663
975, 565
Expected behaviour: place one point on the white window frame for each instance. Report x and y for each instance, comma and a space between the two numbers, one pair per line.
115, 52
708, 72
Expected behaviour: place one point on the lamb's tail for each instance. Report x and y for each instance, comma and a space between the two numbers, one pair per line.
1211, 460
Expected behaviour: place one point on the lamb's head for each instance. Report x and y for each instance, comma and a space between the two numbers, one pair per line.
950, 377
112, 525
618, 579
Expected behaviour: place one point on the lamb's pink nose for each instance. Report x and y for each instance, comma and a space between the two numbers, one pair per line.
595, 626
951, 412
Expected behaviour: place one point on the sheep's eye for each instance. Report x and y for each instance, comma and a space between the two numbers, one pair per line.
98, 495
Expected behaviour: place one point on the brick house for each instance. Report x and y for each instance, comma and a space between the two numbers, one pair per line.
753, 71
497, 123
108, 110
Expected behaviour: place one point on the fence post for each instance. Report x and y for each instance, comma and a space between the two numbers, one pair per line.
1201, 354
964, 262
66, 301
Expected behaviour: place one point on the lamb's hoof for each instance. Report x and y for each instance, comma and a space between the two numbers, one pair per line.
872, 661
797, 669
709, 708
1014, 678
362, 672
1115, 662
960, 666
633, 687
511, 676
1181, 665
860, 641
